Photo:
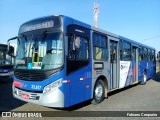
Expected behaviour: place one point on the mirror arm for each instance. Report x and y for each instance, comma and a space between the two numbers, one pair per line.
12, 39
8, 43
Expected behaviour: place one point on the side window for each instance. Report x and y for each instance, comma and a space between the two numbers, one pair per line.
78, 53
100, 51
71, 48
153, 55
81, 45
78, 48
140, 54
121, 50
113, 51
126, 51
145, 53
149, 55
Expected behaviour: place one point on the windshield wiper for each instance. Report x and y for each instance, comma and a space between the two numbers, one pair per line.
34, 44
44, 35
35, 40
30, 45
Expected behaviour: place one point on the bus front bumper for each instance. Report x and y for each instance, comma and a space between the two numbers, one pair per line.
52, 99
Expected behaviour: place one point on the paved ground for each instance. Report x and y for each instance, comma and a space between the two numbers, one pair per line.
134, 98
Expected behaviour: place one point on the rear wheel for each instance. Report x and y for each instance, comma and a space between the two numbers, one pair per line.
99, 92
144, 79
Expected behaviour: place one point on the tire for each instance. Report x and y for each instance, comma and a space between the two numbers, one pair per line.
144, 79
99, 92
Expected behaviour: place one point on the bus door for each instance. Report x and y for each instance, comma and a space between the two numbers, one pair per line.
135, 64
113, 64
78, 64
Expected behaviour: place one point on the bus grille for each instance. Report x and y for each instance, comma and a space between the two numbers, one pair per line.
32, 96
30, 75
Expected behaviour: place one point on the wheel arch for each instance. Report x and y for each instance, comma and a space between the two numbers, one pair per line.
104, 79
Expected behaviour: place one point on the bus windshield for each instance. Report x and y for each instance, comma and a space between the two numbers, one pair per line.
5, 58
40, 51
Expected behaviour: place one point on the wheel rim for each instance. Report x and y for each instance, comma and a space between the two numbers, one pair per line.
98, 92
144, 78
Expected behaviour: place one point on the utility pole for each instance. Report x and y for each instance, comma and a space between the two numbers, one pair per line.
96, 13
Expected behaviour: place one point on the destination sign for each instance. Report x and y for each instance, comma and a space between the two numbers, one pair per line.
47, 24
41, 23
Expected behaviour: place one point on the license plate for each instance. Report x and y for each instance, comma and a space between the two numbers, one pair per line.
25, 96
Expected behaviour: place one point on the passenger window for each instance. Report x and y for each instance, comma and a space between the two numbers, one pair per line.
153, 55
149, 55
113, 51
145, 53
126, 51
140, 54
100, 51
121, 49
78, 48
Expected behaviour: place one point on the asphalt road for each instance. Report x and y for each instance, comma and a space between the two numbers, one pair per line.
133, 98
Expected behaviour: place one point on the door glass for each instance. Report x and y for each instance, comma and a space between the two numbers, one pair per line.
134, 54
113, 52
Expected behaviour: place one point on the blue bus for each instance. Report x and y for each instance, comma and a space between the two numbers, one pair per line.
6, 62
61, 62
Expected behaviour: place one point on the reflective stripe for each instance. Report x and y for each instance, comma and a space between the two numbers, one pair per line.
66, 81
82, 78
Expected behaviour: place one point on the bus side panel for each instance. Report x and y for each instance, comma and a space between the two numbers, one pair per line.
140, 73
80, 85
125, 73
143, 67
66, 91
88, 85
77, 92
133, 71
153, 70
150, 70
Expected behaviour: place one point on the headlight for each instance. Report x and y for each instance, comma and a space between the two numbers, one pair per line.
52, 86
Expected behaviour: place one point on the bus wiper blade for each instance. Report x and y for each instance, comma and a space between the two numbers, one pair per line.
34, 45
44, 35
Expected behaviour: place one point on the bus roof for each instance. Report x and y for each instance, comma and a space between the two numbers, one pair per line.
122, 38
77, 22
108, 33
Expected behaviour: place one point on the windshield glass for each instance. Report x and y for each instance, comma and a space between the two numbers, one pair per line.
40, 51
5, 59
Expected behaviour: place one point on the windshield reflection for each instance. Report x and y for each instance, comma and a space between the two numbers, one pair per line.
40, 51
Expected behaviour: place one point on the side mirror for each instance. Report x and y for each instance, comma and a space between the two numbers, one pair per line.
8, 43
8, 46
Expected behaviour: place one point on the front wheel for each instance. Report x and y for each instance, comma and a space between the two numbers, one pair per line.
99, 92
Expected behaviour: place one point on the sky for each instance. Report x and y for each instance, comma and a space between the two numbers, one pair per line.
138, 20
